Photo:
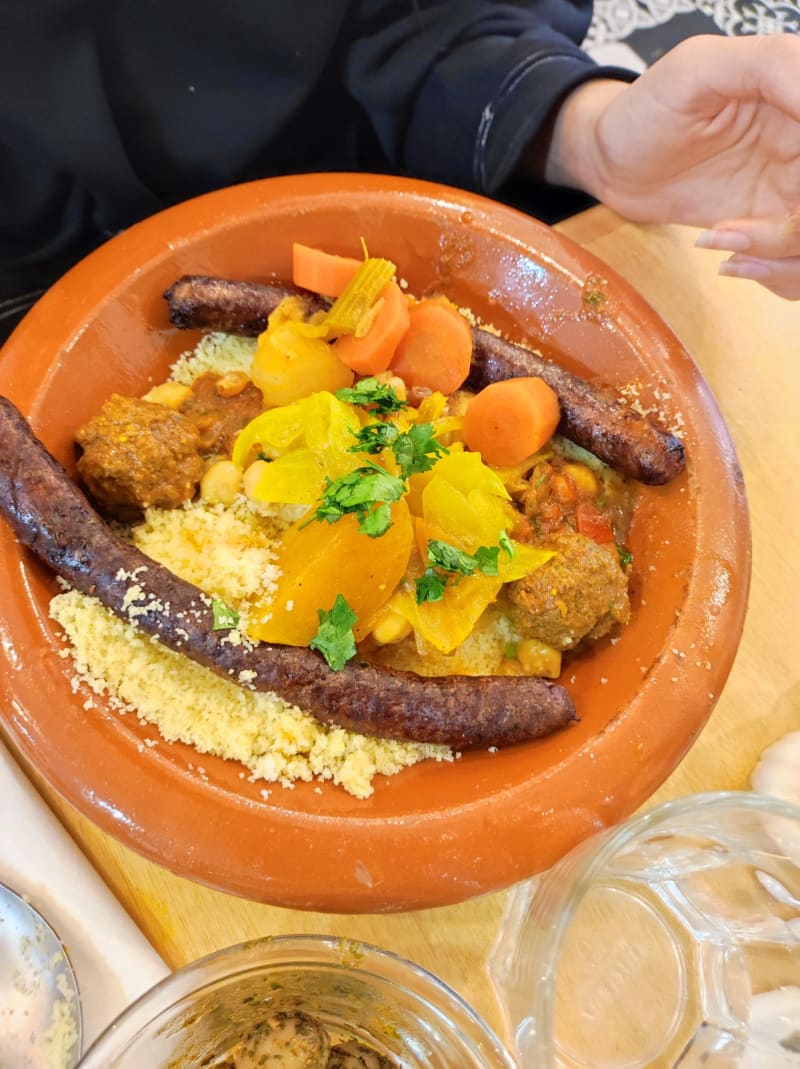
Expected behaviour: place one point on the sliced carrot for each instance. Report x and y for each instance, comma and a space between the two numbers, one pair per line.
373, 353
437, 349
321, 272
509, 420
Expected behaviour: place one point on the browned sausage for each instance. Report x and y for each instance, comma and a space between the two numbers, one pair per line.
49, 515
204, 303
595, 419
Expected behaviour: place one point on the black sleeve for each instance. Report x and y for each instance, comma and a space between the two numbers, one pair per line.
456, 90
44, 220
134, 106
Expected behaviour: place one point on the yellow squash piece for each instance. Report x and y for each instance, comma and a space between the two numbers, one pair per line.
304, 442
467, 500
295, 479
319, 560
447, 623
293, 359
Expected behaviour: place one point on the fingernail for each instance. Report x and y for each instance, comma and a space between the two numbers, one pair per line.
725, 240
745, 269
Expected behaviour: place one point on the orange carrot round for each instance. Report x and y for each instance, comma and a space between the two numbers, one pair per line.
321, 272
509, 420
436, 351
373, 353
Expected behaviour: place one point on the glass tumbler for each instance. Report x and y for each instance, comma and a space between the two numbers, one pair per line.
670, 940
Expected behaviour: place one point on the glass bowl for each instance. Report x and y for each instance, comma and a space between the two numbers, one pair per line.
356, 991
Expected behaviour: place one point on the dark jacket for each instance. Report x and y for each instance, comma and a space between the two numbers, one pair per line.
113, 109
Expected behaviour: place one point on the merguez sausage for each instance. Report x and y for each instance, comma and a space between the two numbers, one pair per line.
198, 302
595, 419
49, 514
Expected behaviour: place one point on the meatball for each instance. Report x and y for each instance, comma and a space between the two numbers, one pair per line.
219, 415
137, 454
581, 592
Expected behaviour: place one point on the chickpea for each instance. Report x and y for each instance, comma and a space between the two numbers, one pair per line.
221, 483
232, 383
539, 659
583, 477
252, 475
169, 394
386, 378
392, 627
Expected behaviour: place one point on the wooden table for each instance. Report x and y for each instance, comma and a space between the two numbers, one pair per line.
747, 343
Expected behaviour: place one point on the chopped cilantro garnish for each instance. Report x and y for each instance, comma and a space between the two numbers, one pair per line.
430, 586
449, 558
506, 545
225, 618
374, 438
446, 562
625, 556
334, 638
417, 449
372, 394
376, 521
368, 492
486, 559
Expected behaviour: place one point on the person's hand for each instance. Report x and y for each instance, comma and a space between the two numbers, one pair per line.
708, 136
765, 249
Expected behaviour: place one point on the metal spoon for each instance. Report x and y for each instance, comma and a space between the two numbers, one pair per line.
40, 1012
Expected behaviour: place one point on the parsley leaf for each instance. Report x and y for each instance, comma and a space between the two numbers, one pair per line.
417, 449
368, 492
334, 638
225, 618
371, 393
374, 438
506, 545
430, 587
486, 559
377, 521
450, 558
447, 562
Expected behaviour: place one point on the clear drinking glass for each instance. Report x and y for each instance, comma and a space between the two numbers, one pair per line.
670, 940
195, 1017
